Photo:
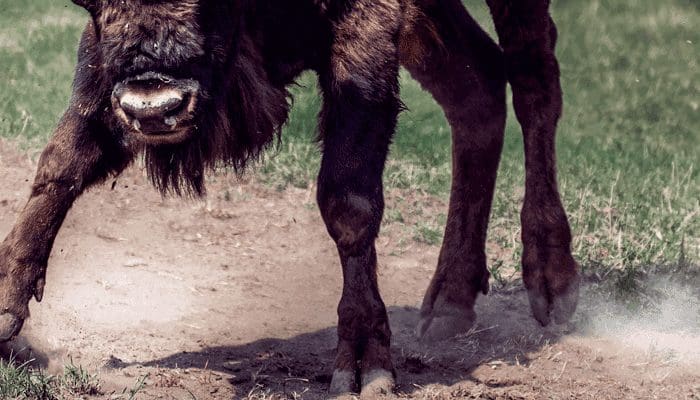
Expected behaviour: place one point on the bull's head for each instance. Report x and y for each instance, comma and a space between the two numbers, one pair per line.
158, 61
184, 77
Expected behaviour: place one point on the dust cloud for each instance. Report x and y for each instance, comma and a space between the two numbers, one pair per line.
663, 322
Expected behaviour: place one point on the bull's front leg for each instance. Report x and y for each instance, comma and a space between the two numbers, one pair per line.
361, 105
78, 155
528, 37
351, 202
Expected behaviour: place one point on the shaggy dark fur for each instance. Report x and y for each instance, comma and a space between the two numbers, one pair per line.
197, 84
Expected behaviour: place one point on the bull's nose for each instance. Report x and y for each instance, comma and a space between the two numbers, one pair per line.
155, 105
148, 105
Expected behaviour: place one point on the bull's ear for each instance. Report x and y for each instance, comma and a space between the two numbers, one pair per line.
90, 5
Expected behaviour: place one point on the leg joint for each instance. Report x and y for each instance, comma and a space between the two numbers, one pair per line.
55, 187
352, 220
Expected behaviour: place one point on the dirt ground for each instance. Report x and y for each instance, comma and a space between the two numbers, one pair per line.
234, 297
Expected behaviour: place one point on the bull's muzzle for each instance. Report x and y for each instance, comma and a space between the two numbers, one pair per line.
156, 108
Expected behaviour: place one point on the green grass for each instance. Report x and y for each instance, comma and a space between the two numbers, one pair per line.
628, 144
21, 381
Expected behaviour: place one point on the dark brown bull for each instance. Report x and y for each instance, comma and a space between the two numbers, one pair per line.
194, 84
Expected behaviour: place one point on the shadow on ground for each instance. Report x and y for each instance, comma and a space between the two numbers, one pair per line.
504, 334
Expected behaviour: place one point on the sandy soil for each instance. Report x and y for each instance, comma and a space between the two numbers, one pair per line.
234, 297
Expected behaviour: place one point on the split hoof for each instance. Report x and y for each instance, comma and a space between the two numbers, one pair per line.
377, 384
558, 307
19, 281
564, 304
342, 384
440, 325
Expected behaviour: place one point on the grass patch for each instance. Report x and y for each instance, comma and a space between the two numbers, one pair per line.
428, 235
21, 381
627, 144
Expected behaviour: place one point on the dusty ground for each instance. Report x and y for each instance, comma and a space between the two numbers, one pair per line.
235, 296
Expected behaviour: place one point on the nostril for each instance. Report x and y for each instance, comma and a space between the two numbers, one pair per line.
155, 104
150, 105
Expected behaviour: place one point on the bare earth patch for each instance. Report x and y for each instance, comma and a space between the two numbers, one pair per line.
235, 296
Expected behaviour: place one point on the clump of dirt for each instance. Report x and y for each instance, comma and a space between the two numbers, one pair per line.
235, 297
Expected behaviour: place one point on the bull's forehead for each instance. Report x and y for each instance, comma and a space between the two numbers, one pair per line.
144, 35
122, 12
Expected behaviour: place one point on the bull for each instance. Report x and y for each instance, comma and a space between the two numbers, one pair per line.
196, 84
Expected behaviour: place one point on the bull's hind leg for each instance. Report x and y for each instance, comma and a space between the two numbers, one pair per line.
463, 69
528, 37
73, 160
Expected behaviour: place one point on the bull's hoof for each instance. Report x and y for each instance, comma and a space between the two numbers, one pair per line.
342, 384
444, 323
377, 384
558, 306
564, 304
19, 281
10, 326
552, 278
540, 306
346, 396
